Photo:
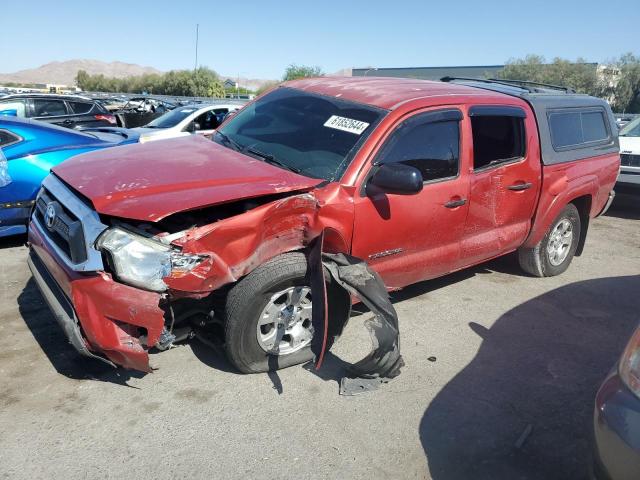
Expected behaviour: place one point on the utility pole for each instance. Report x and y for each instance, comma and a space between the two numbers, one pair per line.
197, 28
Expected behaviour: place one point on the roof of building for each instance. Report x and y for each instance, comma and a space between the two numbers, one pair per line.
384, 92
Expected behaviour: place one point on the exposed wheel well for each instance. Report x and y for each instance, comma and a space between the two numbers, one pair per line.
583, 204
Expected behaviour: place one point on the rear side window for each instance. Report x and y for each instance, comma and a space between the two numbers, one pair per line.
577, 128
80, 107
8, 138
431, 147
498, 135
48, 108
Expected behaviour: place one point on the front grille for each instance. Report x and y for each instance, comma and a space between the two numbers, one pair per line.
629, 160
64, 228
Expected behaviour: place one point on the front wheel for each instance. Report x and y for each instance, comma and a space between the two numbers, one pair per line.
268, 315
553, 254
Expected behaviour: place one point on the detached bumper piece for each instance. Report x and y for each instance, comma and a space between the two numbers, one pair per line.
354, 275
60, 307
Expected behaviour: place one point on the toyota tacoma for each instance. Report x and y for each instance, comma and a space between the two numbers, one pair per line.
141, 246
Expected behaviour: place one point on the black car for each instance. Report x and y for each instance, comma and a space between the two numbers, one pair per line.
617, 419
64, 110
139, 111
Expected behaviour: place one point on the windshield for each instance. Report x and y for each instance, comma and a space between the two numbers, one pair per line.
632, 129
172, 118
314, 135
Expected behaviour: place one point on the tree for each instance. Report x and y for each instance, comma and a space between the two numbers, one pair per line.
294, 71
618, 80
626, 89
202, 82
579, 75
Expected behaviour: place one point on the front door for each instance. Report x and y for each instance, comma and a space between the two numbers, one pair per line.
409, 238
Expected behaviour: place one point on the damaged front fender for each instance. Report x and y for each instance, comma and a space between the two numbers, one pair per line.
354, 275
235, 246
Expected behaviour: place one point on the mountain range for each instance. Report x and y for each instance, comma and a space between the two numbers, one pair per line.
64, 73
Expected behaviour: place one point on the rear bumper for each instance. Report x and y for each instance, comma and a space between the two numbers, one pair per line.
612, 195
617, 432
101, 317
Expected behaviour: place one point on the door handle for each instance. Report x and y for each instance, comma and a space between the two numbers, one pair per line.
520, 186
455, 203
68, 121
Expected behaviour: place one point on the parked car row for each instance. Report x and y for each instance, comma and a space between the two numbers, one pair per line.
63, 110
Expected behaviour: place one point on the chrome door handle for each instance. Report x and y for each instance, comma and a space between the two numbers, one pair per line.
520, 186
455, 203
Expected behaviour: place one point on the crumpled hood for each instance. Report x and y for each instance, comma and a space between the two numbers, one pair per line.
152, 181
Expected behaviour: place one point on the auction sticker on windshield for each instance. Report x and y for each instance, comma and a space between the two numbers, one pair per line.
346, 124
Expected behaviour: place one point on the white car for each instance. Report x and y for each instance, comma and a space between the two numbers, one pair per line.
629, 179
186, 120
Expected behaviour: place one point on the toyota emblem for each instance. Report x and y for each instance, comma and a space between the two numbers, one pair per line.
50, 215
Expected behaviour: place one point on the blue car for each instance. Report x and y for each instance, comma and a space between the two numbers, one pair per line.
29, 149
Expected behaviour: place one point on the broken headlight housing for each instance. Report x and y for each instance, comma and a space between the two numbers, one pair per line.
629, 365
143, 262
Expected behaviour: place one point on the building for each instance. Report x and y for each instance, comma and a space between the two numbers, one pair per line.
431, 73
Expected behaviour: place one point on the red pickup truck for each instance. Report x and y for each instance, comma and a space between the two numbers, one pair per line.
141, 246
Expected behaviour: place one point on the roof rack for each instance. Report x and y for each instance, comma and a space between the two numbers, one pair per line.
535, 84
528, 86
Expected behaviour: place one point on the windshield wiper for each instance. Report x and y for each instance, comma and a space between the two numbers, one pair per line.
267, 157
225, 138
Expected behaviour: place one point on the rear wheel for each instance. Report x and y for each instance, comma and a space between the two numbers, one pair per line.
553, 254
268, 315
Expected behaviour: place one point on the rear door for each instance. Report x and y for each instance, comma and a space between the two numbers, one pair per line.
504, 181
51, 110
409, 238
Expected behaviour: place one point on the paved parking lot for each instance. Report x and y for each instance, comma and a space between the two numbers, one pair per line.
509, 355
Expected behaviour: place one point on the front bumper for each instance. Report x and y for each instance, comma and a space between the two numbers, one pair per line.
101, 318
617, 432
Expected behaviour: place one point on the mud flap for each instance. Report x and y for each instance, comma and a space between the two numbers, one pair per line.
354, 275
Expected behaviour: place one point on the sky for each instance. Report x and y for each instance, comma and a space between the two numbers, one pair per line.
258, 39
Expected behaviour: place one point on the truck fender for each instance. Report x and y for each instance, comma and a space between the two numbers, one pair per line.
560, 192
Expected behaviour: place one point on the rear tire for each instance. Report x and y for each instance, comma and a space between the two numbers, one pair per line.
553, 254
246, 344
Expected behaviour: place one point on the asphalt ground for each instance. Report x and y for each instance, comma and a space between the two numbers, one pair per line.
500, 377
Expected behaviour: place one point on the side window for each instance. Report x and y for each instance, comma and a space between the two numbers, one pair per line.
18, 105
433, 147
80, 107
207, 121
498, 135
8, 138
576, 128
48, 108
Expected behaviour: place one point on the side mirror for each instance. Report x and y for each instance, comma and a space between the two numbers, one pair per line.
395, 178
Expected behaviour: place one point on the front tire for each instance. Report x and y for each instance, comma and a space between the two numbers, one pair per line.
268, 315
553, 254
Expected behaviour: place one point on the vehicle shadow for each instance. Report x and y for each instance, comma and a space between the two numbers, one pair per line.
625, 207
523, 407
54, 344
13, 241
